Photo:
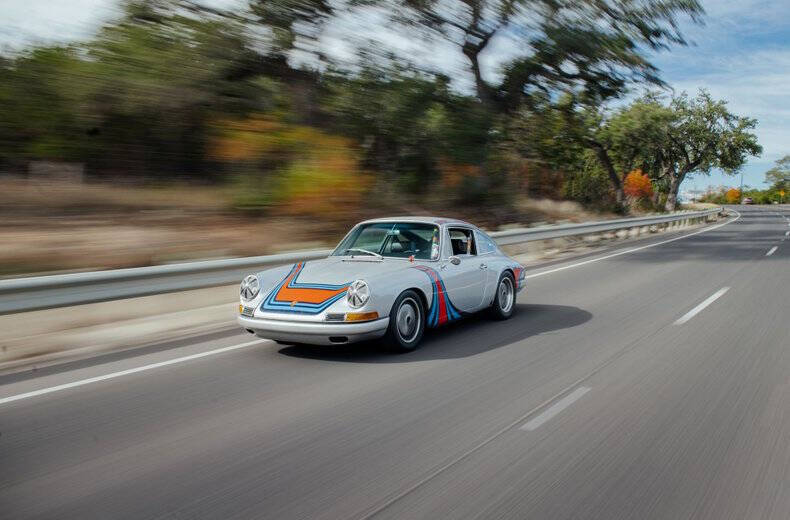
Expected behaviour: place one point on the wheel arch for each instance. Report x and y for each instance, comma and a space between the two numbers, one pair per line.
421, 294
507, 269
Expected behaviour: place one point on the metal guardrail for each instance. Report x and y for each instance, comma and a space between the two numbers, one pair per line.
41, 292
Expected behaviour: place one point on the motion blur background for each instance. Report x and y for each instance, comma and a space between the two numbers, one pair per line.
168, 130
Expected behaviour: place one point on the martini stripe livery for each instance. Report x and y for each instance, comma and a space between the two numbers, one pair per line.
305, 298
442, 309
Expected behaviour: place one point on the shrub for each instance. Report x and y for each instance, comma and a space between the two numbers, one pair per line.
291, 169
638, 185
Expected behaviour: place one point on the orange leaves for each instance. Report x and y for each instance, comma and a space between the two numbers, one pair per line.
292, 169
638, 185
733, 195
453, 173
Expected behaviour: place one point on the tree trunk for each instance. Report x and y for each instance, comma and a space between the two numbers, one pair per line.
484, 93
606, 162
672, 196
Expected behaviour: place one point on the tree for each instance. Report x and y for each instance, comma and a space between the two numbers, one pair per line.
779, 176
292, 22
596, 46
702, 136
630, 138
38, 95
732, 196
156, 80
668, 142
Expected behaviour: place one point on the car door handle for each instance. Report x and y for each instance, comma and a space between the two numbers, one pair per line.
483, 266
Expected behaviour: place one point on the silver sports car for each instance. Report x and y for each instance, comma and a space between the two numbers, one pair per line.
389, 278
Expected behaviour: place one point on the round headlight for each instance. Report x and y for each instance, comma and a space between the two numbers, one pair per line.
358, 294
249, 287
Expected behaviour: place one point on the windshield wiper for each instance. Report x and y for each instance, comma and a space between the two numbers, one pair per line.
360, 250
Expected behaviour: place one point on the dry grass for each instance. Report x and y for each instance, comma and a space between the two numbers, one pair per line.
547, 210
64, 227
55, 227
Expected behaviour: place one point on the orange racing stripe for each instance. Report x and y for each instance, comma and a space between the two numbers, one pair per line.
304, 295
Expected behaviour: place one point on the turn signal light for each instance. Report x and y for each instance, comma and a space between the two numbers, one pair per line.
361, 316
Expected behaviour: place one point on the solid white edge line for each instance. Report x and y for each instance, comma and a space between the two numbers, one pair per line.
696, 310
632, 250
771, 251
113, 375
538, 421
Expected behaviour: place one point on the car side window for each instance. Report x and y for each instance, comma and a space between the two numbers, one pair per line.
484, 243
462, 241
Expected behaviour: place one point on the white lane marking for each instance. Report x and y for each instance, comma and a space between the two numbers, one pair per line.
555, 409
113, 375
696, 310
771, 251
632, 250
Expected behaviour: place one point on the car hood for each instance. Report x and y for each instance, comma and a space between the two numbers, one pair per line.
343, 270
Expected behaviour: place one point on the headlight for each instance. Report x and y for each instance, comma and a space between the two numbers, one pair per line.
250, 287
358, 294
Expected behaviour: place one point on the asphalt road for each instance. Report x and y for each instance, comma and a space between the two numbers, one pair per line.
654, 384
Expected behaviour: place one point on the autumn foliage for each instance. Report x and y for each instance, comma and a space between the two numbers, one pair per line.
291, 169
638, 185
733, 195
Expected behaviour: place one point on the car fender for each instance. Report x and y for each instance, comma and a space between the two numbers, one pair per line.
385, 288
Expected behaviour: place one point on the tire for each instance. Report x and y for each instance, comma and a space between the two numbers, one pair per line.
504, 303
407, 323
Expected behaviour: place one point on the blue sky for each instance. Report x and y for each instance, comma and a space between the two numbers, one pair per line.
741, 54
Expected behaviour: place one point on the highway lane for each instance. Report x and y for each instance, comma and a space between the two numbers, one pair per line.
678, 420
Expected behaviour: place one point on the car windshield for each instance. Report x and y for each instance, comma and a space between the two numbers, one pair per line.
392, 239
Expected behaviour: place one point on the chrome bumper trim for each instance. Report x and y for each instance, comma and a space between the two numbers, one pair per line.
314, 333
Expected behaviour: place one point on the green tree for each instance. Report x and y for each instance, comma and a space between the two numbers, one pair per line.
293, 23
39, 94
668, 142
779, 176
407, 121
595, 46
629, 138
703, 135
157, 79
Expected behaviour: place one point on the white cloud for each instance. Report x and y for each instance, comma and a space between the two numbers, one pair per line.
755, 85
24, 22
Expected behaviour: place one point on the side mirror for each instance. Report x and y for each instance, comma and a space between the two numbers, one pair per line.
454, 260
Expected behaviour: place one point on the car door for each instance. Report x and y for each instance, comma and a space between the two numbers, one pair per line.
486, 252
464, 281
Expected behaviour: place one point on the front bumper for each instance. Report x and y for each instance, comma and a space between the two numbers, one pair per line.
314, 333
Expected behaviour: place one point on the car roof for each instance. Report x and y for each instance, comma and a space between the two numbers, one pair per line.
427, 220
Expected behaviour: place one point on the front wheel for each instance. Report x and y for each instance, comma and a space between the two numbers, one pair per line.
407, 323
505, 298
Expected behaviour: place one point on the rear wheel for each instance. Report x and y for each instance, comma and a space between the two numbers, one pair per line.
505, 298
407, 323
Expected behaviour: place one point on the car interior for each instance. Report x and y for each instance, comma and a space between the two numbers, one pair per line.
462, 241
405, 243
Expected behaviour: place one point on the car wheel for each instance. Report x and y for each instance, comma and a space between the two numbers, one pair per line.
505, 298
407, 323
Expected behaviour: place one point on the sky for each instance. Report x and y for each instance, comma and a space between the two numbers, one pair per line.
741, 54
